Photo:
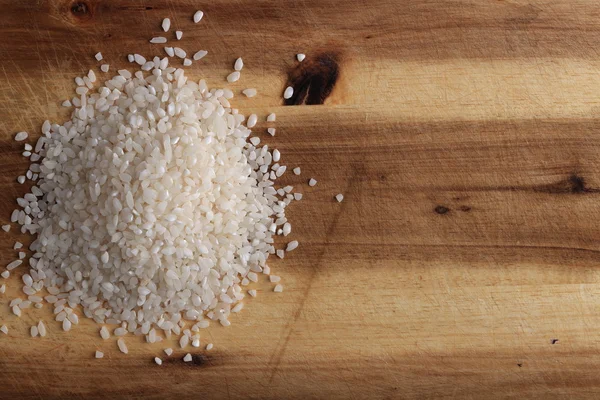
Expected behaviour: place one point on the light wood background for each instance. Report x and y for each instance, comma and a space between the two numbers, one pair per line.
463, 262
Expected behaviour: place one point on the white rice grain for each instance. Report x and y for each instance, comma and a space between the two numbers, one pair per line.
166, 24
158, 39
104, 334
200, 54
158, 361
312, 182
339, 197
168, 351
209, 346
239, 64
251, 92
98, 56
33, 331
104, 67
99, 354
19, 137
41, 327
179, 52
122, 346
178, 35
198, 16
300, 57
278, 289
288, 93
196, 340
187, 357
14, 264
141, 60
291, 245
184, 341
252, 119
233, 77
170, 52
271, 131
6, 228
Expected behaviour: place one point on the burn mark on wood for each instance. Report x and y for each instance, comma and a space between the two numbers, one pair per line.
313, 79
441, 210
577, 184
574, 184
198, 360
465, 208
554, 341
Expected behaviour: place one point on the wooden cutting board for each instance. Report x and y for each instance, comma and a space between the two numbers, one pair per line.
463, 262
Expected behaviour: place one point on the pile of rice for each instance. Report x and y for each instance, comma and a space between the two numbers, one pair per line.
152, 206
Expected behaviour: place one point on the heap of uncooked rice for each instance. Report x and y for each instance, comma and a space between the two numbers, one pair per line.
151, 206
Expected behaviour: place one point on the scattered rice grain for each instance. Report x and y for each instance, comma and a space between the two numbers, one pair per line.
200, 54
233, 77
288, 93
122, 346
166, 24
239, 64
19, 137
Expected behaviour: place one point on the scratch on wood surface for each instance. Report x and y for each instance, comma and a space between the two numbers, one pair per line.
55, 348
275, 360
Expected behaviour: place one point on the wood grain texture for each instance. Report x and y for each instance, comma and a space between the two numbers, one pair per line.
464, 136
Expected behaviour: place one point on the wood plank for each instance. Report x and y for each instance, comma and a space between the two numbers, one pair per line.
464, 136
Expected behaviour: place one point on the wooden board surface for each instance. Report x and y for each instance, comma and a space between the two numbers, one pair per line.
463, 262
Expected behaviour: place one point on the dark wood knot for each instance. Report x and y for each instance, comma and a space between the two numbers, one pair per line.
313, 79
80, 8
